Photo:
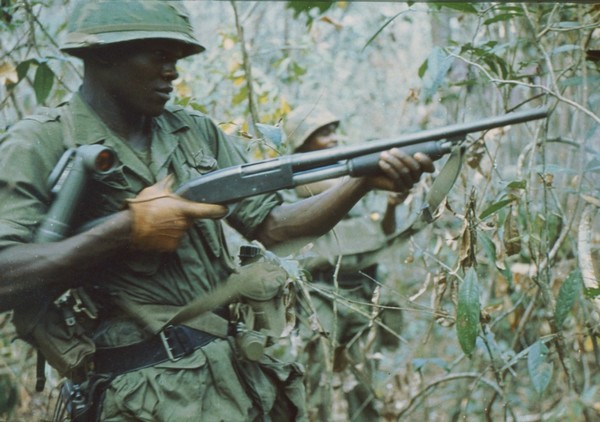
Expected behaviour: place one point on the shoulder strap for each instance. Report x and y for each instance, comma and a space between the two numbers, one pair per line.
69, 142
196, 314
68, 128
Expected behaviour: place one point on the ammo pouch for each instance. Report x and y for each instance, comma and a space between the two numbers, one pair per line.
263, 310
57, 332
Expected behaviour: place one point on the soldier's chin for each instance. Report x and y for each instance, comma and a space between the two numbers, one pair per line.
156, 110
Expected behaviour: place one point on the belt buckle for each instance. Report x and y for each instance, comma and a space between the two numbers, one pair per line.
167, 346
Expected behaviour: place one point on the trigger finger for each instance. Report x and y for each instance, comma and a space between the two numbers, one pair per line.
199, 210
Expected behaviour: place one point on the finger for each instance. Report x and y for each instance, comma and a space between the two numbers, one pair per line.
400, 167
200, 210
425, 162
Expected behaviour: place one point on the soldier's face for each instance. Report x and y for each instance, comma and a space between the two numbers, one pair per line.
142, 74
322, 138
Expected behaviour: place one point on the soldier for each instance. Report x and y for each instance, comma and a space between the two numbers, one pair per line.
155, 252
357, 239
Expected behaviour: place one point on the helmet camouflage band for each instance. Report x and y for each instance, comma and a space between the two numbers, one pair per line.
303, 121
96, 23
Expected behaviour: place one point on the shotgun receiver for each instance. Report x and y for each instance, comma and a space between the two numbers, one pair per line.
229, 185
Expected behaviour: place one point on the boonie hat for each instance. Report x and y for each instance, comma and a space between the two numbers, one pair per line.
103, 22
303, 121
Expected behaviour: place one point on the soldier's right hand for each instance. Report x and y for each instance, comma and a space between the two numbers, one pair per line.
160, 218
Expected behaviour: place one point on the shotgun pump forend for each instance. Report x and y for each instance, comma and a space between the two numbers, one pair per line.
229, 185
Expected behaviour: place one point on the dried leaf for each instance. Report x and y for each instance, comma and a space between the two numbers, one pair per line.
591, 200
512, 238
8, 74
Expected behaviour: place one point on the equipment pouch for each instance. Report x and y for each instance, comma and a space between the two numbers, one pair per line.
56, 330
264, 292
262, 311
64, 347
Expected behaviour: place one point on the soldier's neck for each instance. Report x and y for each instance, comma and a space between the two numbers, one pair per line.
134, 128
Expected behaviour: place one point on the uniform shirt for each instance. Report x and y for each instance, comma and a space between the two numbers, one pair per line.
187, 144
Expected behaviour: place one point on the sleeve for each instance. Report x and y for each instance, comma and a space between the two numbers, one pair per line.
25, 164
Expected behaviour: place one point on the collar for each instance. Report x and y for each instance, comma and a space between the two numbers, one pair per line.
90, 129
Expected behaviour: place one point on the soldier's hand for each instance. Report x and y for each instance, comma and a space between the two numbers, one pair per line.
401, 171
160, 218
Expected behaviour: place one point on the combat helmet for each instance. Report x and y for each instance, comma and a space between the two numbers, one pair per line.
97, 23
303, 121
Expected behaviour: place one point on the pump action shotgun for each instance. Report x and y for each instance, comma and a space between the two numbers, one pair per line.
229, 185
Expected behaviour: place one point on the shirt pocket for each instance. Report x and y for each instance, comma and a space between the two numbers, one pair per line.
194, 165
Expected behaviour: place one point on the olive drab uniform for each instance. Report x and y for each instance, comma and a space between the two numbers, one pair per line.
209, 383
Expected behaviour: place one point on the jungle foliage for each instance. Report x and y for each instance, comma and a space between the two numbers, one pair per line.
500, 295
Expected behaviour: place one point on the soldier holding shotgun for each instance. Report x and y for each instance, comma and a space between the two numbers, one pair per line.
120, 337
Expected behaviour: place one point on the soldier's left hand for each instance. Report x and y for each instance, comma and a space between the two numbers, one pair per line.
401, 171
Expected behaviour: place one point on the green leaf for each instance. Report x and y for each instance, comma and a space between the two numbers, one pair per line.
495, 207
591, 292
381, 29
467, 312
241, 96
486, 54
488, 246
42, 83
304, 7
499, 18
517, 184
461, 7
566, 297
540, 371
423, 69
23, 67
438, 64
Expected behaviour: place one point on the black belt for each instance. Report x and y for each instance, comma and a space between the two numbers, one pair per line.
171, 344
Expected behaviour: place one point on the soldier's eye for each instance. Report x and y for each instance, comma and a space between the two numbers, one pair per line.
161, 55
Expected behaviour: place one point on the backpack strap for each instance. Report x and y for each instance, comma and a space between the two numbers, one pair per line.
69, 141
